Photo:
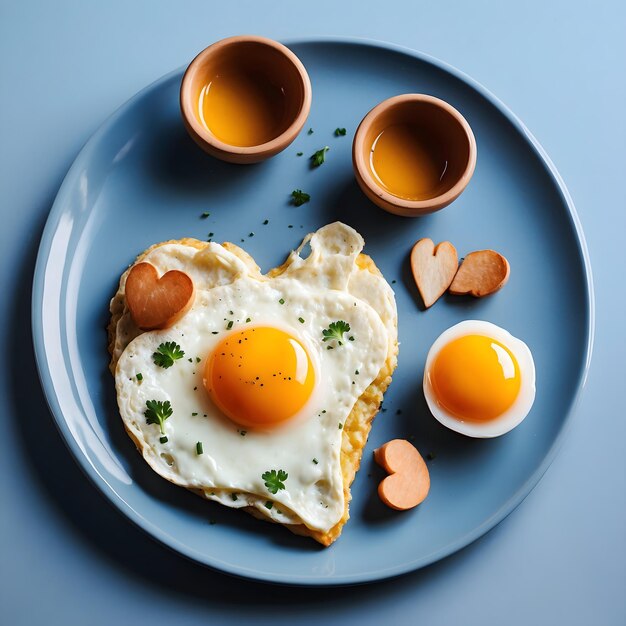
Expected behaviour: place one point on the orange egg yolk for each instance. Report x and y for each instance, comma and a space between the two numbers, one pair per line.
475, 378
260, 376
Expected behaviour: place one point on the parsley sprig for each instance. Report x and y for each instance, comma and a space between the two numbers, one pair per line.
340, 132
320, 156
157, 412
336, 330
298, 197
167, 353
275, 480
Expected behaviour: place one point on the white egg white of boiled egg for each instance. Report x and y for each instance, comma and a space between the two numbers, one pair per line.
483, 370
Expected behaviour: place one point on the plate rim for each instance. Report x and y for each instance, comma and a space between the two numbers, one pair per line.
171, 542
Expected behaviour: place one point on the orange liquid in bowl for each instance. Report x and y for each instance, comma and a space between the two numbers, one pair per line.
408, 163
242, 107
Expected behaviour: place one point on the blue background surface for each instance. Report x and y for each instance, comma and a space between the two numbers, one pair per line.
69, 557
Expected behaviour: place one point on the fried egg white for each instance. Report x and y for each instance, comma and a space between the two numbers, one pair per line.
479, 380
306, 391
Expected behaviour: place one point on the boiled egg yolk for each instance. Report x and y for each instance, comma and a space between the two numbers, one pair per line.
475, 378
260, 376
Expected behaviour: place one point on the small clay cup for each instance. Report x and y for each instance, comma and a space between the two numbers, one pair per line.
451, 131
264, 57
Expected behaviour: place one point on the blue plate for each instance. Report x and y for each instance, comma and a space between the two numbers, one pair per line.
140, 180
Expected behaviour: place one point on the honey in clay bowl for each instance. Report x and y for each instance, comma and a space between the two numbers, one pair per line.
413, 154
244, 99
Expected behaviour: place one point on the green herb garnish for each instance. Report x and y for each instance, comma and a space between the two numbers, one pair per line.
340, 132
205, 215
199, 449
266, 222
281, 301
163, 439
157, 412
301, 320
229, 325
167, 353
139, 377
269, 504
315, 461
310, 131
275, 480
299, 197
336, 331
320, 156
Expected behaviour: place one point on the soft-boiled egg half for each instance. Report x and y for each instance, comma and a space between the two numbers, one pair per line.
479, 380
259, 400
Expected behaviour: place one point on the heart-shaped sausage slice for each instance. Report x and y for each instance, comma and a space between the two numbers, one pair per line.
156, 302
408, 482
481, 273
433, 268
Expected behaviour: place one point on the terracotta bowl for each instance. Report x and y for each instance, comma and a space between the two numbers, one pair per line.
452, 135
264, 59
